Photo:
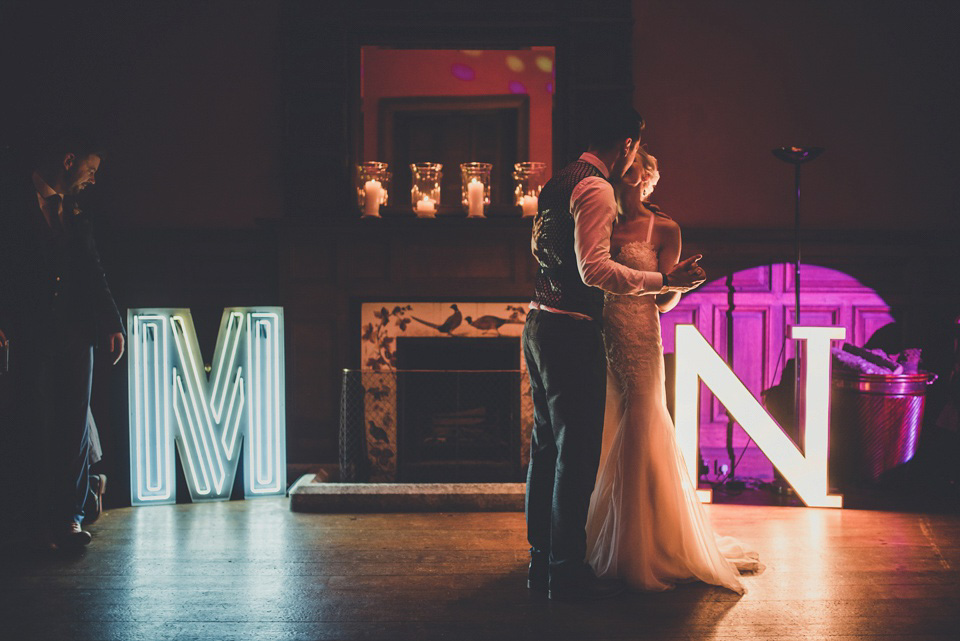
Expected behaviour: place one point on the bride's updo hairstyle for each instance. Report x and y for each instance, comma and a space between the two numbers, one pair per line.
651, 174
640, 179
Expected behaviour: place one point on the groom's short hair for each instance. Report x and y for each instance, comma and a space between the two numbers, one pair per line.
611, 126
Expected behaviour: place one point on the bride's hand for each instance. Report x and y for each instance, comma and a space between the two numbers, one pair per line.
686, 275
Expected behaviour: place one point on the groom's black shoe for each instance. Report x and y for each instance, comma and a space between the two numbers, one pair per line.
588, 588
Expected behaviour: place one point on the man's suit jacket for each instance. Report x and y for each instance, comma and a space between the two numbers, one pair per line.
50, 283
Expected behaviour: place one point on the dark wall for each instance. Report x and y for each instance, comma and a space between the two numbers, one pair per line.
186, 93
191, 94
873, 81
220, 111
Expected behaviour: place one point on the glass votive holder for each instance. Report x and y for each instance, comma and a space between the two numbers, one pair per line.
425, 189
475, 187
528, 181
373, 188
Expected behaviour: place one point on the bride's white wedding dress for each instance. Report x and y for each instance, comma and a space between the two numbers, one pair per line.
646, 524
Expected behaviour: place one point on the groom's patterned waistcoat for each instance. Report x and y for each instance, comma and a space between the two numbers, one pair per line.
558, 283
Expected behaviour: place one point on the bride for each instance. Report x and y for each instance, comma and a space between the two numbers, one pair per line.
646, 525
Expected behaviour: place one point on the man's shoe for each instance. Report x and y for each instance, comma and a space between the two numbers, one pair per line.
74, 537
98, 487
537, 576
585, 589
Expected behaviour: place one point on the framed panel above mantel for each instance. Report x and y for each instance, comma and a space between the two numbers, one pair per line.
322, 64
450, 130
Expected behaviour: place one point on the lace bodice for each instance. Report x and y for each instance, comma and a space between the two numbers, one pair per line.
631, 324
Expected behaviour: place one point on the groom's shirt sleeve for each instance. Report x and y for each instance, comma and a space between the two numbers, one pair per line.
594, 208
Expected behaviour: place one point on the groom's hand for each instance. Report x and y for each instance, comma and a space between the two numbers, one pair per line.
686, 275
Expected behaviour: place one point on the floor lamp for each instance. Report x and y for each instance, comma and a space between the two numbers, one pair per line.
797, 156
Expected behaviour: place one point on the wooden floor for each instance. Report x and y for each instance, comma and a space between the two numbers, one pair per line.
255, 570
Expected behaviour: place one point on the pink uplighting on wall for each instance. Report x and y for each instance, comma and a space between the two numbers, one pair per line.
763, 300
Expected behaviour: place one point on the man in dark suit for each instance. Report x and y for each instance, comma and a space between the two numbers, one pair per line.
55, 307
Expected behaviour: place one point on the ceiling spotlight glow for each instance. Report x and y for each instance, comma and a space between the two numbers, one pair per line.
517, 87
514, 63
463, 72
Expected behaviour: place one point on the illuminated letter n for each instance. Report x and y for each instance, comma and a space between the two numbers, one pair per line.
807, 473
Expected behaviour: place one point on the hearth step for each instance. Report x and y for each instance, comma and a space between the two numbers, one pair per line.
310, 494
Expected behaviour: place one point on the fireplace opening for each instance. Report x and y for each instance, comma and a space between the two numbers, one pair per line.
458, 409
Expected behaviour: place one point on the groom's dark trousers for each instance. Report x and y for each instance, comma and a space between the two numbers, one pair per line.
567, 366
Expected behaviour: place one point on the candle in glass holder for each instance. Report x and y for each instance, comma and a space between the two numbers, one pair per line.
475, 198
373, 192
528, 181
529, 206
475, 187
426, 206
425, 188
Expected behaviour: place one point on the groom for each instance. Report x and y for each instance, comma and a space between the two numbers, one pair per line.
563, 349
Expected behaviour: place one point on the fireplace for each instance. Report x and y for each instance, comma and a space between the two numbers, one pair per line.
442, 394
458, 409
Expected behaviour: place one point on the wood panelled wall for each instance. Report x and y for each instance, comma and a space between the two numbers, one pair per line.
321, 262
328, 270
322, 272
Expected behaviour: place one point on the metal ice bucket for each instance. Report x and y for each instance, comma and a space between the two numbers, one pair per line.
876, 422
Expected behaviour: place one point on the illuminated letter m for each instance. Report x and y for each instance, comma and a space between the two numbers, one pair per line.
207, 412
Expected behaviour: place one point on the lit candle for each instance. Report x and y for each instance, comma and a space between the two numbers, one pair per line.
475, 198
529, 205
372, 195
426, 206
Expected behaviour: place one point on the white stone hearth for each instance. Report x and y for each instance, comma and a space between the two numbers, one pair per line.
309, 494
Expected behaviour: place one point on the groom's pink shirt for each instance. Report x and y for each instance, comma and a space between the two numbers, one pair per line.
594, 208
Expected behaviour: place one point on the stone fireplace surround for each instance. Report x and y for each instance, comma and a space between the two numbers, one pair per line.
382, 323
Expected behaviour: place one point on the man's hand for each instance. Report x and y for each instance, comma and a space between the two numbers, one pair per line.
686, 275
116, 346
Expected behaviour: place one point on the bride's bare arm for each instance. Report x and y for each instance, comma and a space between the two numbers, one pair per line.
669, 256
